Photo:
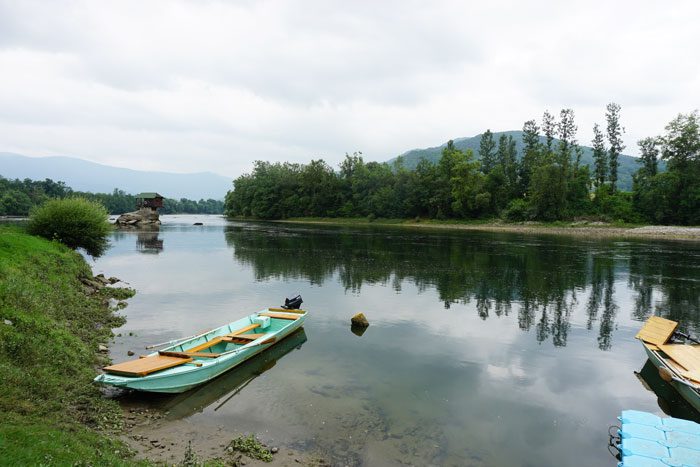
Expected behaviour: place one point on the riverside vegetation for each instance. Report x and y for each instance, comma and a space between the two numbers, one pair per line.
51, 326
546, 181
18, 197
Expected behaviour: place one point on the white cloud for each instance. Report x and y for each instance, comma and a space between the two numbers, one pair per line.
190, 86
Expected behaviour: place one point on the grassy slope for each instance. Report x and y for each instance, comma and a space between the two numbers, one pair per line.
51, 411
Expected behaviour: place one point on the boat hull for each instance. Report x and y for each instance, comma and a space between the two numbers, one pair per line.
189, 376
691, 395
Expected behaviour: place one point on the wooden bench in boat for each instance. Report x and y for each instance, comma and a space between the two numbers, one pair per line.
146, 365
279, 316
687, 356
164, 360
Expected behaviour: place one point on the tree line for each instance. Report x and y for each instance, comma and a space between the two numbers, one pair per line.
546, 182
18, 197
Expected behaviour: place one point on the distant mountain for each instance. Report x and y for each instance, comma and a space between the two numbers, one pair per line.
628, 164
82, 175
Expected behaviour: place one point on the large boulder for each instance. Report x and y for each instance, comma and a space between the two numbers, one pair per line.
144, 216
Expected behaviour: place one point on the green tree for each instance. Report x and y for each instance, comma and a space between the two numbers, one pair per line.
549, 128
487, 151
600, 156
75, 222
649, 154
615, 131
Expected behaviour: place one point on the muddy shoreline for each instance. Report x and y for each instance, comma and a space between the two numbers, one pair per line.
595, 230
153, 437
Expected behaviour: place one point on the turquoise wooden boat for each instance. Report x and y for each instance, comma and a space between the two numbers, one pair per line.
196, 360
678, 364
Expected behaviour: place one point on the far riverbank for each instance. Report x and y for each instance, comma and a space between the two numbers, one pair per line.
575, 228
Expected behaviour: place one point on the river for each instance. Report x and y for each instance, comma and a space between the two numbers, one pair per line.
484, 349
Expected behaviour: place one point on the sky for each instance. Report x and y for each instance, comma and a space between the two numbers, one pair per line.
190, 86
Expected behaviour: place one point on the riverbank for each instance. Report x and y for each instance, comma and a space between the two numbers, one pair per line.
55, 322
575, 228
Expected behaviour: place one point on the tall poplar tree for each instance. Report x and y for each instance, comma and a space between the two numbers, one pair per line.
615, 131
567, 138
600, 156
549, 128
531, 153
487, 152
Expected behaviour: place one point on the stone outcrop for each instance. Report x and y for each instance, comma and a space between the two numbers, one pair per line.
144, 216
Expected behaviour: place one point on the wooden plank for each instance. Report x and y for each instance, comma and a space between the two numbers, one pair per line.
279, 316
687, 356
189, 354
286, 310
145, 366
692, 375
250, 337
216, 340
657, 330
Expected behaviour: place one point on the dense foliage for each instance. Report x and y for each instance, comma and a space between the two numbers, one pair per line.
17, 197
75, 222
547, 182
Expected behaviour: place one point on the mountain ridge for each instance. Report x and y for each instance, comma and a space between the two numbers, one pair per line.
83, 175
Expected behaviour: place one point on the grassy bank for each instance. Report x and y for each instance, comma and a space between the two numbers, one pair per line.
580, 228
50, 327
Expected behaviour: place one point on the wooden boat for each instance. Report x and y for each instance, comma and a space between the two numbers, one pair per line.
196, 360
678, 364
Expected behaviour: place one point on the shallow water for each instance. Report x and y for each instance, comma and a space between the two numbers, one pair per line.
483, 348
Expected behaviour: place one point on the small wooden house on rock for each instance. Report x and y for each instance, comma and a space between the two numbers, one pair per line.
149, 200
147, 205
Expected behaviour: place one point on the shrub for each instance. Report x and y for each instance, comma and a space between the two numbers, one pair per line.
517, 211
75, 222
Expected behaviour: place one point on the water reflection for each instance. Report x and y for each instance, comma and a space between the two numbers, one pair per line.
541, 279
669, 400
149, 242
218, 392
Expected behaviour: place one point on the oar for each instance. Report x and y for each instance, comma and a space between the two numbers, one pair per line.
174, 341
667, 376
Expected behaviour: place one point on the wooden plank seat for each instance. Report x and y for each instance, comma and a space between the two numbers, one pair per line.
657, 330
145, 366
687, 356
285, 310
218, 339
279, 316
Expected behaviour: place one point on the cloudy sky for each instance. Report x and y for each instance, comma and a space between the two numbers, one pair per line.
189, 86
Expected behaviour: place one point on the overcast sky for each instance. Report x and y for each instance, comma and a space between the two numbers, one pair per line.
212, 86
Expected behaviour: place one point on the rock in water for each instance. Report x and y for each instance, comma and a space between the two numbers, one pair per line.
143, 216
359, 320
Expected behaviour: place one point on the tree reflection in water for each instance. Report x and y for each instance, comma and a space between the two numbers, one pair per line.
540, 277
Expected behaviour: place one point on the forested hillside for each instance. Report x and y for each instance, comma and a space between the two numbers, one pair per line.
549, 182
628, 164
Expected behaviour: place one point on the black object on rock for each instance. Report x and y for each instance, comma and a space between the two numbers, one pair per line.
292, 303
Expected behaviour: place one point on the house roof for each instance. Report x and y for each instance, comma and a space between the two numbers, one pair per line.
149, 195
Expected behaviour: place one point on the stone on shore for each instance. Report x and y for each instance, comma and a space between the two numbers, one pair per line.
359, 320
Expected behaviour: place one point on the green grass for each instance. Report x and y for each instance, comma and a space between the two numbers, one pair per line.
52, 413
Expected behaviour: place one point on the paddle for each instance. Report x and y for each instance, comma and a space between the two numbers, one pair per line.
667, 376
153, 346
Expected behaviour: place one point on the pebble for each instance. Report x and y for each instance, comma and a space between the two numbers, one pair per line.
274, 450
102, 348
8, 322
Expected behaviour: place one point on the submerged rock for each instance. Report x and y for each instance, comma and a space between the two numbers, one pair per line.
358, 330
359, 320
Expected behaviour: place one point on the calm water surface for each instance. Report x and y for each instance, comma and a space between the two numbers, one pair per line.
484, 349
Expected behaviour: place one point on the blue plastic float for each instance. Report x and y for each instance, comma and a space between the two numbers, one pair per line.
646, 440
